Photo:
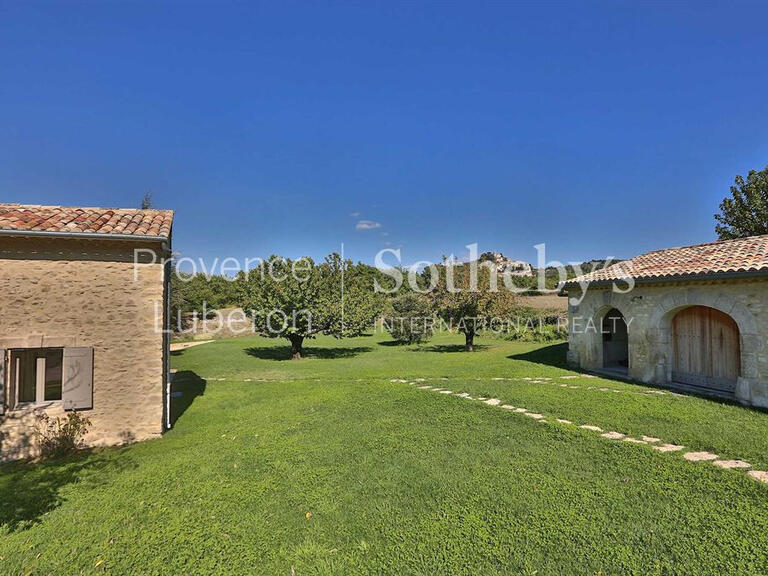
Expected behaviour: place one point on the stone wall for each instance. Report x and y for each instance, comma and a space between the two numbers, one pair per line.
62, 292
649, 309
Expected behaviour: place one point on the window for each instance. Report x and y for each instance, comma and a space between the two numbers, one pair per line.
36, 374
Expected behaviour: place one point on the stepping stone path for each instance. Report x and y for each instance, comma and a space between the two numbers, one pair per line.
635, 440
699, 456
730, 464
668, 448
759, 475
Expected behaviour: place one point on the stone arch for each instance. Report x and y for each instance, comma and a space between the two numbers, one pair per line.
659, 332
593, 313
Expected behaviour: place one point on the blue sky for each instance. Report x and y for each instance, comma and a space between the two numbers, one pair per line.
598, 128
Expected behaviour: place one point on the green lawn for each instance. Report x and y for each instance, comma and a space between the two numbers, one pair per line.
398, 480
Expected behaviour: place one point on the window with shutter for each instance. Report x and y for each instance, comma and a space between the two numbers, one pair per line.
77, 378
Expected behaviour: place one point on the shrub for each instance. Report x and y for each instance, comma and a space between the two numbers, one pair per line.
411, 320
60, 436
543, 333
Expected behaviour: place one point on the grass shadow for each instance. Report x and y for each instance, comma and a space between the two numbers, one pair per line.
553, 355
279, 353
185, 387
29, 490
447, 348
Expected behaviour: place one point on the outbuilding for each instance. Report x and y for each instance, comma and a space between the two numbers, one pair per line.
84, 321
693, 318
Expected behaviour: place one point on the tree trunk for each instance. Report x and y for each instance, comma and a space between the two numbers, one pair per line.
296, 344
470, 343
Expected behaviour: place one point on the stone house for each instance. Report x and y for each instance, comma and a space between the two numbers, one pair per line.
693, 318
83, 325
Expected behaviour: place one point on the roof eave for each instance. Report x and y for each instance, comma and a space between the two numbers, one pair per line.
675, 278
85, 235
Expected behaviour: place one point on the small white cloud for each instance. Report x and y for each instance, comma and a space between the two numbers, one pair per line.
385, 234
367, 225
355, 215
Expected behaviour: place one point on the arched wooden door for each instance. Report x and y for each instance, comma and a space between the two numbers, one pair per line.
707, 350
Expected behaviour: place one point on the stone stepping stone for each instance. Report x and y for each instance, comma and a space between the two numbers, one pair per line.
591, 427
730, 464
613, 435
573, 387
493, 401
420, 379
482, 398
445, 392
759, 475
650, 439
425, 387
521, 410
699, 456
635, 440
563, 385
668, 448
564, 421
463, 395
507, 407
542, 421
534, 415
568, 377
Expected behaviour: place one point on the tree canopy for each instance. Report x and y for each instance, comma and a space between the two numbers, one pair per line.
298, 299
469, 302
745, 212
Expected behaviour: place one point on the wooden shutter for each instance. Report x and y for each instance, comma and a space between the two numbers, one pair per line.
2, 380
77, 379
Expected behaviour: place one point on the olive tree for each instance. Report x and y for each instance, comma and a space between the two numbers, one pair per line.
298, 299
469, 297
411, 318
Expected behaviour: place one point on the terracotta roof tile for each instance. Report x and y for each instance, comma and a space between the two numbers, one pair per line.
722, 257
26, 217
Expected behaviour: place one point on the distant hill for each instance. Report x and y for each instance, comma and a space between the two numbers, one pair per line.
513, 267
